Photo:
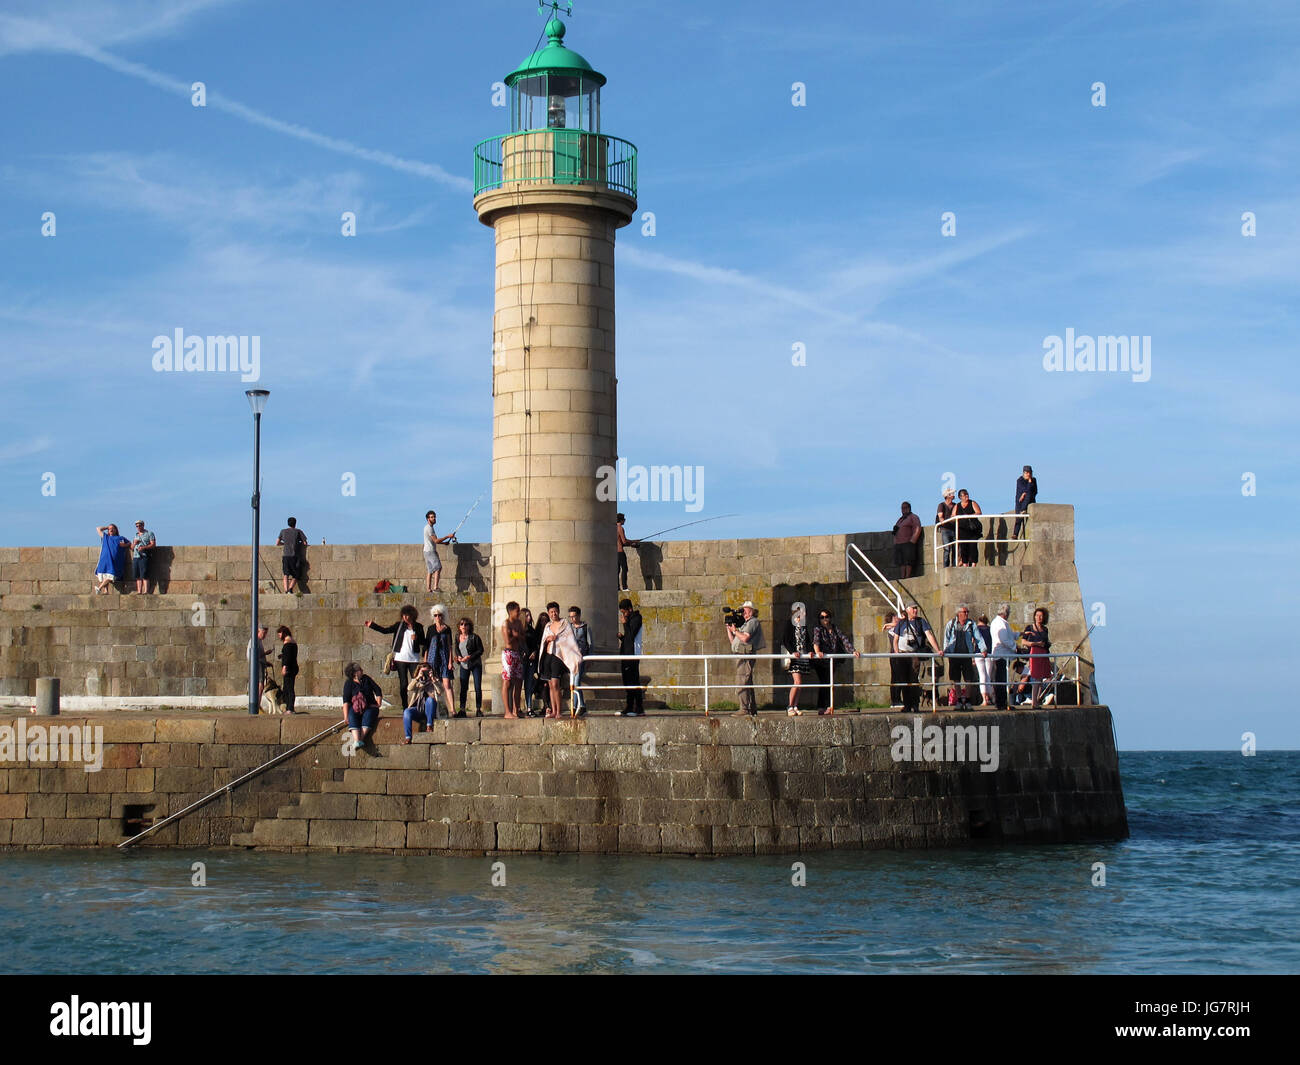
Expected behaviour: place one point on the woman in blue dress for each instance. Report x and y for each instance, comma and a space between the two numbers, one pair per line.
439, 656
112, 566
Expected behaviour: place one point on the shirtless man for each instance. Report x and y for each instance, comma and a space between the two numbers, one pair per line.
623, 542
513, 650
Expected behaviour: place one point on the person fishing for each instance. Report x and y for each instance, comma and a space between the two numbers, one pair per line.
623, 542
432, 563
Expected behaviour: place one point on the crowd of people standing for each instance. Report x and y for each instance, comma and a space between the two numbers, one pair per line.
543, 658
980, 657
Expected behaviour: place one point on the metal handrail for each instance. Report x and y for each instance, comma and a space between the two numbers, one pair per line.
931, 657
599, 160
940, 544
228, 788
897, 602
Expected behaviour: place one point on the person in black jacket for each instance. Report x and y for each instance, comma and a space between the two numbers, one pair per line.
288, 666
828, 639
409, 643
533, 637
629, 643
361, 699
468, 653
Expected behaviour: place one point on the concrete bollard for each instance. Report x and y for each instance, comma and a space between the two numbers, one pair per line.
47, 696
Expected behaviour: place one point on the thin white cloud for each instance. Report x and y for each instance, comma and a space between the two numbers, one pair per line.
193, 198
884, 277
32, 35
31, 25
723, 275
23, 448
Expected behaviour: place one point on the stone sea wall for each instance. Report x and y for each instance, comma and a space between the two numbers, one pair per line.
670, 784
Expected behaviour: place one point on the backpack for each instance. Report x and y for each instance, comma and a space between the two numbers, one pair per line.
359, 699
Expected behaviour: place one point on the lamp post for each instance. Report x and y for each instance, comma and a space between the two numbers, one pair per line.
257, 400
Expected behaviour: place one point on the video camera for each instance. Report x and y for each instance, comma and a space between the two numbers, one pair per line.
731, 616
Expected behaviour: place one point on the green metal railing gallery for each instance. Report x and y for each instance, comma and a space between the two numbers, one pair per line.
555, 157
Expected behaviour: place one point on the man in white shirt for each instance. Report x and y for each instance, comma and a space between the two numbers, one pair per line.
1004, 649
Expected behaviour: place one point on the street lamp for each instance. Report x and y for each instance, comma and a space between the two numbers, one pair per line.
257, 400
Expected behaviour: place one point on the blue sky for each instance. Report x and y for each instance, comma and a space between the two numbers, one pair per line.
775, 225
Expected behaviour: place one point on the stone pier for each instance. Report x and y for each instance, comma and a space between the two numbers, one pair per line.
665, 784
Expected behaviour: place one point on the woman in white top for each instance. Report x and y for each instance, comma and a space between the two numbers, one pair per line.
432, 563
408, 644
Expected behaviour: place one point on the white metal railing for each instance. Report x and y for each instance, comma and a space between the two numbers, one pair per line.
1057, 674
952, 545
856, 558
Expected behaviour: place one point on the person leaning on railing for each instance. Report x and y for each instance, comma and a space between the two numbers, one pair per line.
899, 672
1040, 663
1004, 650
969, 529
984, 664
961, 639
828, 640
911, 635
947, 529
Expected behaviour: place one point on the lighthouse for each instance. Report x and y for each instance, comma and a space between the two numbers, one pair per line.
555, 189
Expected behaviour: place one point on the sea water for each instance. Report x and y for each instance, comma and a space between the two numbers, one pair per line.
1209, 882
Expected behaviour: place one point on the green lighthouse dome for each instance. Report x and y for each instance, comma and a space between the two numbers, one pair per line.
555, 58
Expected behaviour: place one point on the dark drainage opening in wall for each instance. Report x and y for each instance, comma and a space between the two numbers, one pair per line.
136, 818
980, 825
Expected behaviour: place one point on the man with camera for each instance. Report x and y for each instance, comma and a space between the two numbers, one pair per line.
746, 636
911, 634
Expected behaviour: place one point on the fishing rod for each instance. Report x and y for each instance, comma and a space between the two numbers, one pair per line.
686, 526
467, 514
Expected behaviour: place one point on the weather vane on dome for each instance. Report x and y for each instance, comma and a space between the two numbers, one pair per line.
555, 8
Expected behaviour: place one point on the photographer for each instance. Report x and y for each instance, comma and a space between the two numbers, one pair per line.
746, 641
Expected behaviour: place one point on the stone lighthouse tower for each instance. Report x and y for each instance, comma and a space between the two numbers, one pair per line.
555, 189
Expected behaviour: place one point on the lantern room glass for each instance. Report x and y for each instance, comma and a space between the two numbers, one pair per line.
555, 101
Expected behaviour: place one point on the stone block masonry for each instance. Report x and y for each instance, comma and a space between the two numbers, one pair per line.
672, 784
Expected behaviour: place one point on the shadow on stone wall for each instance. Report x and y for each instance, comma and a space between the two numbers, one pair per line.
651, 556
471, 566
995, 554
160, 567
